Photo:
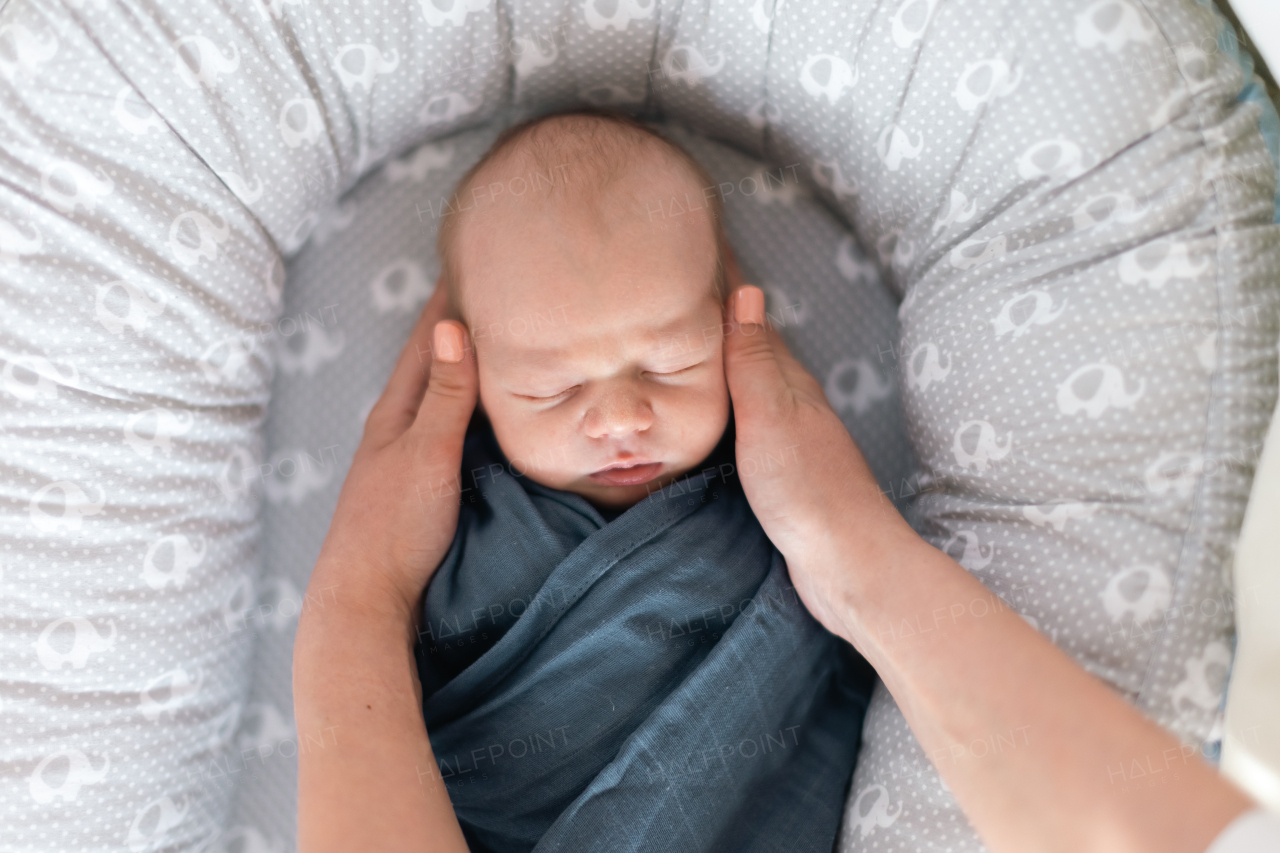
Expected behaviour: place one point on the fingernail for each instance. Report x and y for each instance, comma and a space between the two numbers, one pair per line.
448, 342
749, 306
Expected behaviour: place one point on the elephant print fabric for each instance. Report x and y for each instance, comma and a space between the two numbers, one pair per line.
1029, 250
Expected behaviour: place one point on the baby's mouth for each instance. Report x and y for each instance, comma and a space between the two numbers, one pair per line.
627, 473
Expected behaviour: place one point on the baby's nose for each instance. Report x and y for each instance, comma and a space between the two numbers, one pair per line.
617, 413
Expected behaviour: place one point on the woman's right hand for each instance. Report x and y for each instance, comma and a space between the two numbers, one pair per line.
374, 783
398, 509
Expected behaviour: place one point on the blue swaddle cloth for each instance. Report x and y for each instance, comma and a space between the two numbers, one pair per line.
649, 683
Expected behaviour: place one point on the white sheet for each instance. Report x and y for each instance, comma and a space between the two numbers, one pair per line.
1251, 741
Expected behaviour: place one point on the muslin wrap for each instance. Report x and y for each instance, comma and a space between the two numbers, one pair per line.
648, 683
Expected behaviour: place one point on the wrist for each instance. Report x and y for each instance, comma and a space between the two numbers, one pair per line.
359, 585
333, 612
864, 550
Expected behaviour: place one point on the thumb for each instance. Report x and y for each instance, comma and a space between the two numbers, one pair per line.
751, 362
451, 394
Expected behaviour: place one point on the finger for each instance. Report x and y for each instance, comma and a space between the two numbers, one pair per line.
451, 394
795, 373
398, 405
751, 364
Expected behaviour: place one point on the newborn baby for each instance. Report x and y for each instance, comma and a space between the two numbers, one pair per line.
612, 656
597, 327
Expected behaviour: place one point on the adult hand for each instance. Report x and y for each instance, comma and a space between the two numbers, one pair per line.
804, 476
859, 567
375, 784
398, 509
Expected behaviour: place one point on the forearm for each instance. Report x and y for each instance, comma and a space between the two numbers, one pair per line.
965, 668
374, 785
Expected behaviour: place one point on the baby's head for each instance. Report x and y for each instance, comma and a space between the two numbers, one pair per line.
595, 305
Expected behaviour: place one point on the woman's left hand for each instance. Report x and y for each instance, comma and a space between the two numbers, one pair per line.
858, 567
355, 676
803, 474
398, 508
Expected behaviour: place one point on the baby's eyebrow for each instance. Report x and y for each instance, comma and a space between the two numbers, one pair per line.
690, 338
669, 343
685, 331
538, 356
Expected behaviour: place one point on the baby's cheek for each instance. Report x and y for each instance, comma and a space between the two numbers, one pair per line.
704, 414
546, 447
535, 446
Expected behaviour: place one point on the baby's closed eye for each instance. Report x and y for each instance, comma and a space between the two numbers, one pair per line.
552, 396
545, 396
674, 372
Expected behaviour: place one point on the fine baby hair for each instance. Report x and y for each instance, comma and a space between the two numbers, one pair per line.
599, 144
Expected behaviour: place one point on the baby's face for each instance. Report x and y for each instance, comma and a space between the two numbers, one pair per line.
598, 338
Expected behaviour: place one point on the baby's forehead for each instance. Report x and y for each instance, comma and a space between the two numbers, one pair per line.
583, 218
578, 338
520, 186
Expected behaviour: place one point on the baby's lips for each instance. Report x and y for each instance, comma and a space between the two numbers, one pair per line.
624, 463
631, 474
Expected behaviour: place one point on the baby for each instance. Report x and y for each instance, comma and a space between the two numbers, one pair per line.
602, 671
597, 327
